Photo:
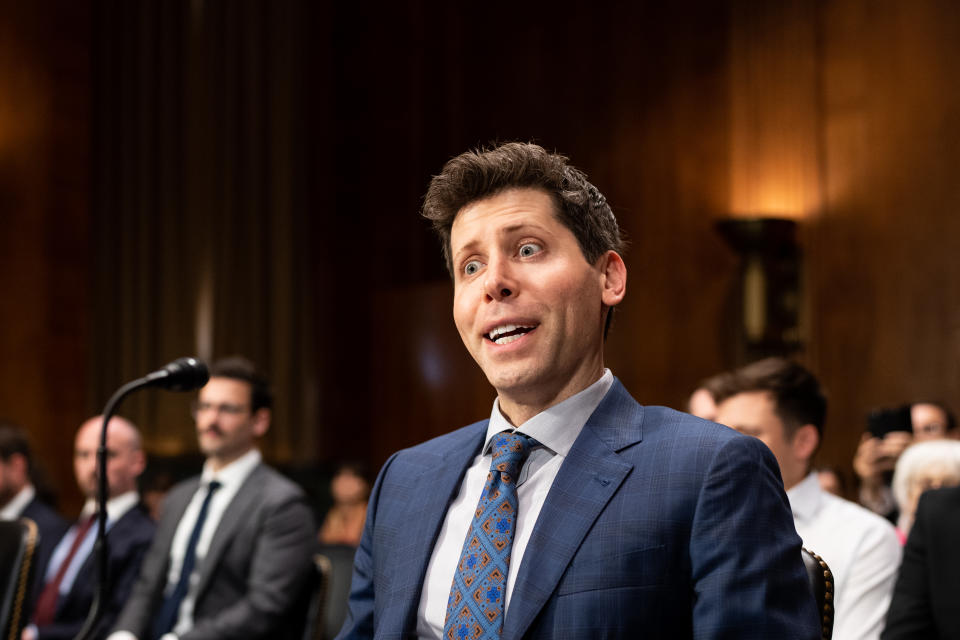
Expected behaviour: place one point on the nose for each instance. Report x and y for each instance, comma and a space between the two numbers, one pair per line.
499, 282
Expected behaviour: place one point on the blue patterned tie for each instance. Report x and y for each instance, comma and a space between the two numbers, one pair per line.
170, 610
475, 605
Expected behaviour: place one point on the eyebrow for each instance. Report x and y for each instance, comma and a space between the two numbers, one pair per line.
505, 231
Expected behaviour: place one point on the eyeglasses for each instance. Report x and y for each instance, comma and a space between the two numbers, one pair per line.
198, 407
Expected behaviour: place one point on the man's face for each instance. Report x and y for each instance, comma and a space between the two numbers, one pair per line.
125, 458
528, 306
226, 426
929, 422
753, 413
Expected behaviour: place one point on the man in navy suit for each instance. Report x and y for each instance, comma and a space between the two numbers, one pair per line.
18, 496
68, 583
624, 521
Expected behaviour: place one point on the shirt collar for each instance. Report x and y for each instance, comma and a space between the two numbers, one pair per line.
805, 497
556, 427
234, 473
117, 506
19, 502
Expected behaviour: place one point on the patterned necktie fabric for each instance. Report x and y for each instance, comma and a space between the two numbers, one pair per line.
170, 609
475, 608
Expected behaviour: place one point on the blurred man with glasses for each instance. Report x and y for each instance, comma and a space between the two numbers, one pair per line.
233, 546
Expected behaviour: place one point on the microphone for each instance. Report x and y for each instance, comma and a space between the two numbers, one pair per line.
183, 374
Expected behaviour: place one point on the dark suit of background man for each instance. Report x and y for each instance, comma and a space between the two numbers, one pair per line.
632, 521
253, 552
18, 497
69, 581
926, 598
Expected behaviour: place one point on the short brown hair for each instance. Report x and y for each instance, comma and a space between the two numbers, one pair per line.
797, 396
485, 172
239, 368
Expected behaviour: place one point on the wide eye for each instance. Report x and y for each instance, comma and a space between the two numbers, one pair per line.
529, 249
471, 267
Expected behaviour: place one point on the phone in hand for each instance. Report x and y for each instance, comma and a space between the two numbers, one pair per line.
880, 422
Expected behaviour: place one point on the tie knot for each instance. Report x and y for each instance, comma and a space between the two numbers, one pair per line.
509, 451
213, 486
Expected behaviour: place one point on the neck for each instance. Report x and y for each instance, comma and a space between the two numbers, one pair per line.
790, 480
217, 463
519, 406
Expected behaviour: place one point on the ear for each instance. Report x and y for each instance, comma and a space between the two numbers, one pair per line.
613, 278
261, 421
140, 462
806, 439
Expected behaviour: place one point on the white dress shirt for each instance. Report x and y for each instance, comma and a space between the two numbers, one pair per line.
555, 429
860, 547
231, 478
19, 502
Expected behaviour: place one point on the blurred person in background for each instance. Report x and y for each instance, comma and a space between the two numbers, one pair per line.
782, 404
889, 433
832, 481
349, 489
18, 496
923, 466
924, 604
703, 400
234, 546
69, 581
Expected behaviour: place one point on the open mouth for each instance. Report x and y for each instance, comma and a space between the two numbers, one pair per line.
505, 334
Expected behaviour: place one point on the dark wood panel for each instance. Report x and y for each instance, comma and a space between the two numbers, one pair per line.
44, 242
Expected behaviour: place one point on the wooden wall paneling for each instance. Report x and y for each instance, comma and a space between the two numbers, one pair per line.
44, 242
887, 320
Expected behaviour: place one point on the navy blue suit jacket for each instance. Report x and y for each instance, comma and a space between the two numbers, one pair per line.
51, 528
127, 543
658, 525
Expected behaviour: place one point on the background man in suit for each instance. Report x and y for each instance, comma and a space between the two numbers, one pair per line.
68, 583
924, 601
598, 517
18, 497
781, 403
233, 548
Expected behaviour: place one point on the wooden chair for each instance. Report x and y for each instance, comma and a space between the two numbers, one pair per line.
18, 544
821, 583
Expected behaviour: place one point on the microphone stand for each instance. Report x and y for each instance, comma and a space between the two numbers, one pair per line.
100, 546
184, 374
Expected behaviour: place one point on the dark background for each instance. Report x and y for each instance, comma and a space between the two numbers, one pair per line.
214, 177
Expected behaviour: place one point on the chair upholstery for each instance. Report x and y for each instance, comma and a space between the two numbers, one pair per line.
821, 583
18, 544
338, 589
313, 625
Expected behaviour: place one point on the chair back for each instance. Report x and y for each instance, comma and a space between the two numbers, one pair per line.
338, 588
313, 626
18, 544
821, 583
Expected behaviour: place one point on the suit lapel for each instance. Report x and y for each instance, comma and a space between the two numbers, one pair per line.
588, 478
239, 508
438, 483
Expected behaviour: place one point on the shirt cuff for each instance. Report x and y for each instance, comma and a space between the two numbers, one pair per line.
122, 635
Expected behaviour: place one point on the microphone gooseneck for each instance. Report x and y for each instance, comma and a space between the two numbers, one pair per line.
183, 374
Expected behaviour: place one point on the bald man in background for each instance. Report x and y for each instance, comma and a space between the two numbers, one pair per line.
70, 578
